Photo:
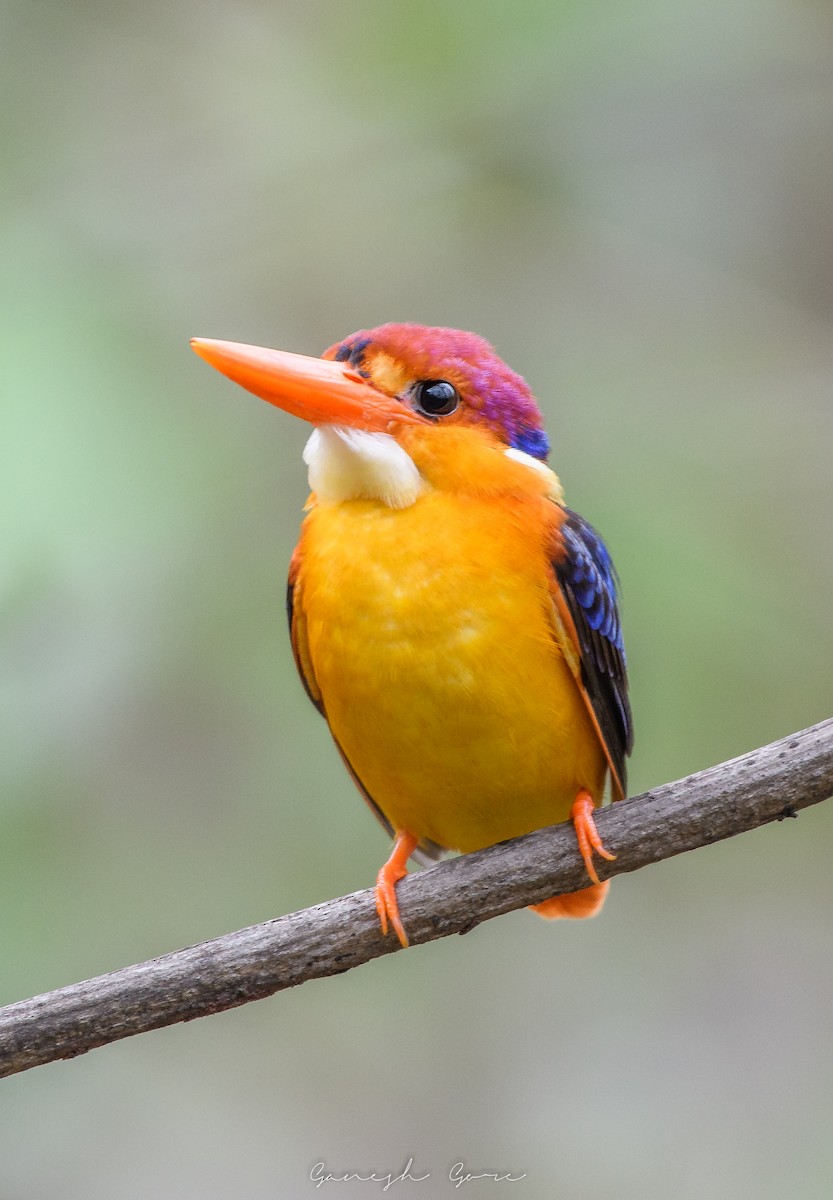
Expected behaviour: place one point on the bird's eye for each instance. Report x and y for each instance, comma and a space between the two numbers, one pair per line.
435, 397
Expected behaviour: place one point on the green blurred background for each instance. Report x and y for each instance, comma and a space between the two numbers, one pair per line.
633, 202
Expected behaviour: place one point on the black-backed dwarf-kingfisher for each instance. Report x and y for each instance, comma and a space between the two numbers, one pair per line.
453, 621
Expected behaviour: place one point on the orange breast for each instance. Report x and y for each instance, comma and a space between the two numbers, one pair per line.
429, 635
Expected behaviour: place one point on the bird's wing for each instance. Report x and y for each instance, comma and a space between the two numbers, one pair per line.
298, 632
590, 635
427, 851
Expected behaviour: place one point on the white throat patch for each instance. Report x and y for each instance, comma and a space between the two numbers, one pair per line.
345, 464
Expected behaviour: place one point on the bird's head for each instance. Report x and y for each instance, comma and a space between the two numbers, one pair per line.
399, 409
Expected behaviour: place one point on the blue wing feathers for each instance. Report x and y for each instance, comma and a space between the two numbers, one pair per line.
589, 571
588, 581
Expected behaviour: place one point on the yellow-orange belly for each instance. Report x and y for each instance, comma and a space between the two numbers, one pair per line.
430, 640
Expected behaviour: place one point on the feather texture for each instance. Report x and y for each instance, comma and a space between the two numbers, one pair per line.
587, 579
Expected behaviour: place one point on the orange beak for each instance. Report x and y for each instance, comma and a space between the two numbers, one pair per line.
315, 389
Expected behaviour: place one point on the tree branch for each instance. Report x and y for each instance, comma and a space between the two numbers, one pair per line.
766, 785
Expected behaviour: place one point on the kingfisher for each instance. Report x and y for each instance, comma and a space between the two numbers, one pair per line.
454, 622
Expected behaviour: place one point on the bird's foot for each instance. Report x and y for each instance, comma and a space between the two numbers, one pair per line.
587, 835
395, 868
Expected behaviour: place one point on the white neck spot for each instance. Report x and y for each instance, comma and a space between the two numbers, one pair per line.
555, 492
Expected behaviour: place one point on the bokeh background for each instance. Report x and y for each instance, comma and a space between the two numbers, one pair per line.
633, 202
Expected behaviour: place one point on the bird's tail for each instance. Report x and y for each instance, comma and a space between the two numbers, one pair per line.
585, 903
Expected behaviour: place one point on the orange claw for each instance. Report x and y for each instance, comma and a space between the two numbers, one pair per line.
395, 868
587, 835
587, 901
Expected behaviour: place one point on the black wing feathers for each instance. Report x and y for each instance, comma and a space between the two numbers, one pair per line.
587, 579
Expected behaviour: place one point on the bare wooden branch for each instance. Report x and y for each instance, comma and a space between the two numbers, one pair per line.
768, 784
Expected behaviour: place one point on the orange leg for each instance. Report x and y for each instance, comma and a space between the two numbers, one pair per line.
395, 868
587, 901
587, 835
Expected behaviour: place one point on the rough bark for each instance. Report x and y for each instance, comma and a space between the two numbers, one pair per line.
768, 784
